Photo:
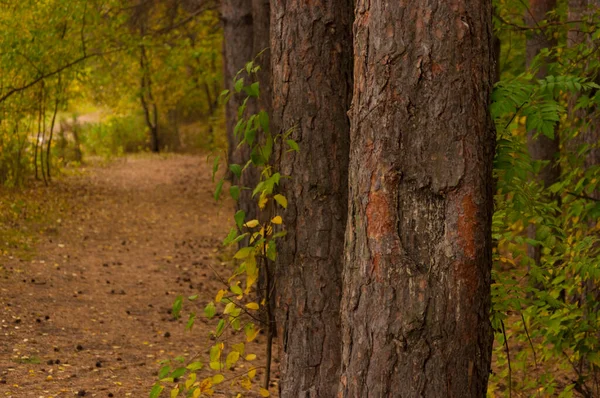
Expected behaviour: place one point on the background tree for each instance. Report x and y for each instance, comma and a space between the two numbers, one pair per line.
543, 148
312, 75
418, 244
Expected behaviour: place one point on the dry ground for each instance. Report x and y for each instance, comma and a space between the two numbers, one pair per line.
87, 312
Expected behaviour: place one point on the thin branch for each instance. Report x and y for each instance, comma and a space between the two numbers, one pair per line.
66, 66
583, 197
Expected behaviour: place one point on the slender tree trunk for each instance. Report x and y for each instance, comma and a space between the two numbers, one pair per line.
237, 50
311, 47
261, 14
415, 310
588, 126
541, 147
147, 99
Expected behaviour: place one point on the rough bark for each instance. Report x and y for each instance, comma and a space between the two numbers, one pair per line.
312, 73
415, 308
261, 13
541, 148
237, 50
589, 126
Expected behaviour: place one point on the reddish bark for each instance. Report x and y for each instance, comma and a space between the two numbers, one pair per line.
415, 308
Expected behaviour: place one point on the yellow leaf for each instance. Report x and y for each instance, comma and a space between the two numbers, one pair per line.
264, 393
281, 200
197, 393
252, 373
220, 295
219, 378
262, 201
191, 380
250, 357
175, 392
251, 224
232, 358
252, 306
277, 220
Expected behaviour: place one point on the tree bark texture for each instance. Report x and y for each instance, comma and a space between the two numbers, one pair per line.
589, 126
416, 300
312, 83
541, 148
237, 50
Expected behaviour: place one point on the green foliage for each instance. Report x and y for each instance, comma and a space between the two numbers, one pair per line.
545, 313
238, 317
56, 55
116, 135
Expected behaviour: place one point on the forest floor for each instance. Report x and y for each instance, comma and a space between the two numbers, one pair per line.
86, 291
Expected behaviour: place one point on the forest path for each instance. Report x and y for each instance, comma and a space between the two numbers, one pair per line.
89, 315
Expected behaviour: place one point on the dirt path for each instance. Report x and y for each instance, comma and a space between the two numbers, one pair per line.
90, 314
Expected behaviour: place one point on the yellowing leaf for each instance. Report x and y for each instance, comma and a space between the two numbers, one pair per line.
252, 373
175, 392
219, 378
264, 393
250, 357
251, 224
252, 306
228, 308
277, 220
220, 295
191, 380
232, 358
281, 200
262, 201
243, 253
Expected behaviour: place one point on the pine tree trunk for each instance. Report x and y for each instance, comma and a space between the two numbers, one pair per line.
541, 147
415, 309
312, 80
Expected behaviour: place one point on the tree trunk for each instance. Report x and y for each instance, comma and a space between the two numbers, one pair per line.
415, 309
311, 45
541, 147
261, 13
589, 126
237, 50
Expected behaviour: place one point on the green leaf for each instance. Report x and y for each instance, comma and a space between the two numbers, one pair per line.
263, 118
190, 322
215, 167
239, 217
210, 310
192, 298
239, 84
194, 366
156, 390
220, 327
178, 373
234, 191
233, 233
235, 289
218, 190
177, 306
293, 145
164, 371
236, 169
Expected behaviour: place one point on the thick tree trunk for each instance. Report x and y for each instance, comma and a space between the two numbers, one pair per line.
312, 78
415, 310
541, 147
237, 50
